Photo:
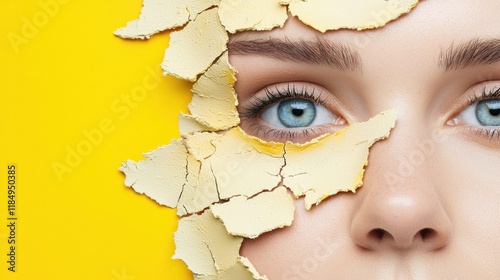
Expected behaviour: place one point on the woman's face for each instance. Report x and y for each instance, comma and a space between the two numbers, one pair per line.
430, 204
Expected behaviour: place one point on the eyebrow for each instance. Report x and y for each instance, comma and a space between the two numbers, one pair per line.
472, 53
318, 51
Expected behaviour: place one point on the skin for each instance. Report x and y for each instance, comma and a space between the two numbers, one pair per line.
429, 206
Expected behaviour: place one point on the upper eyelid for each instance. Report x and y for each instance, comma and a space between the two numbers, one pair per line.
278, 93
485, 95
292, 91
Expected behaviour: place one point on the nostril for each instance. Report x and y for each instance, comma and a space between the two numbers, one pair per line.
377, 234
427, 234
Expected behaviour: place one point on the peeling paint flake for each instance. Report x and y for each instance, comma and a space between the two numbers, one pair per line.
334, 162
203, 243
156, 16
195, 7
188, 125
252, 14
241, 270
200, 190
161, 176
202, 145
241, 167
194, 48
246, 263
326, 15
214, 99
250, 217
225, 184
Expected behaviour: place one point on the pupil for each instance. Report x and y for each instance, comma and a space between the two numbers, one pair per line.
297, 112
495, 112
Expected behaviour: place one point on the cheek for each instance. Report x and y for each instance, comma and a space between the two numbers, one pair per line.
320, 241
471, 186
309, 246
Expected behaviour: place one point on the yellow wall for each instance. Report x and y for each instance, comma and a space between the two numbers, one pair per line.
76, 99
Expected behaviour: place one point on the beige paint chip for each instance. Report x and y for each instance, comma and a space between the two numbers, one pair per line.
188, 125
195, 7
194, 48
200, 190
235, 155
214, 99
202, 145
161, 176
326, 15
218, 165
156, 16
205, 173
241, 270
250, 217
203, 243
333, 162
238, 15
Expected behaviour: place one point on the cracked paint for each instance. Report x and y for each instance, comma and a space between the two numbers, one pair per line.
188, 124
205, 175
324, 15
252, 15
161, 176
187, 55
212, 189
342, 156
195, 7
155, 17
203, 243
263, 212
214, 100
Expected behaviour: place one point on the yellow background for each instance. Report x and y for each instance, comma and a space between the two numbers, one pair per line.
62, 74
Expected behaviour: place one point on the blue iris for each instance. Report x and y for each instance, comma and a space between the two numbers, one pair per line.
488, 112
296, 112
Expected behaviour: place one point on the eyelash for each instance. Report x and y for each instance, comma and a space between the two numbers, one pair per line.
485, 95
277, 95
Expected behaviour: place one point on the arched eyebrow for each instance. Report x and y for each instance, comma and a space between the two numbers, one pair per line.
471, 53
318, 51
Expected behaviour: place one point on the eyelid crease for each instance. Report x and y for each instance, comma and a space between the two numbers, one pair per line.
280, 135
485, 95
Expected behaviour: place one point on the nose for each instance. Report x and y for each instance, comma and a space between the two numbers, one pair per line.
401, 221
405, 215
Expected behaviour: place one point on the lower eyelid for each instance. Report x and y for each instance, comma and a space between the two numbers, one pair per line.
488, 137
282, 135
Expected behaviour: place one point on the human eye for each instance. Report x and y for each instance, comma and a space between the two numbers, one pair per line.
295, 112
482, 114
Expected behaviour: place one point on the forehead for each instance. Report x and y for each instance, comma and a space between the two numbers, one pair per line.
436, 23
